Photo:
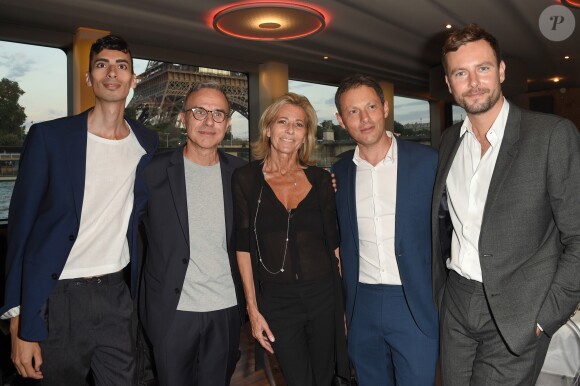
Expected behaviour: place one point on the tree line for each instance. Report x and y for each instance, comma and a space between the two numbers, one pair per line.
12, 116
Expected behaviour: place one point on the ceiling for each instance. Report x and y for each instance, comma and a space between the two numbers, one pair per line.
396, 41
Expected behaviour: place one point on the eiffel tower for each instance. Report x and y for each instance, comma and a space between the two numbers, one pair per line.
159, 94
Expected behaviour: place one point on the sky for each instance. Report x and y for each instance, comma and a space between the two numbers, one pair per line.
41, 73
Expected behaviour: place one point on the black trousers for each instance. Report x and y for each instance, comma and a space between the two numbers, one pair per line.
89, 330
473, 352
301, 317
200, 349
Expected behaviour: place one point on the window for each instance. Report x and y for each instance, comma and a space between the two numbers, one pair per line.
332, 140
40, 73
412, 119
159, 96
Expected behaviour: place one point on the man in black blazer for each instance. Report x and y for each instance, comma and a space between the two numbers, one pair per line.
506, 224
191, 300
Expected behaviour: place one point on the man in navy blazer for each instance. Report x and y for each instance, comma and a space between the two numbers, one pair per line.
71, 232
191, 300
383, 203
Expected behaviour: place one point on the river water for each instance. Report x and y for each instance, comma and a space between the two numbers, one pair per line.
5, 194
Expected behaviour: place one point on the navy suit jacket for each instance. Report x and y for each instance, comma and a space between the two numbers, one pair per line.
417, 166
167, 226
45, 213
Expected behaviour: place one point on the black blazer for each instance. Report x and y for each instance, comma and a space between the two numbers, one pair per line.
167, 245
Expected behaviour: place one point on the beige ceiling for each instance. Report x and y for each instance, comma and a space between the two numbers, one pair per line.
398, 41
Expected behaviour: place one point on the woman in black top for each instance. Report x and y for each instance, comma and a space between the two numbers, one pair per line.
287, 247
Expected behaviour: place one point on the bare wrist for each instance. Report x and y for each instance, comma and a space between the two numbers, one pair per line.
252, 310
14, 325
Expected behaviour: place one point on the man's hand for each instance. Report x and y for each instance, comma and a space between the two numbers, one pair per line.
25, 355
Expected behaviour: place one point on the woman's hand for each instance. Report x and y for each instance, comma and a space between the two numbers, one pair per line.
261, 331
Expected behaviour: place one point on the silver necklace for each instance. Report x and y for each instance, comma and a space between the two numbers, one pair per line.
256, 234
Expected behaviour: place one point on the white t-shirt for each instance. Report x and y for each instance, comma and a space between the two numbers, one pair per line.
101, 246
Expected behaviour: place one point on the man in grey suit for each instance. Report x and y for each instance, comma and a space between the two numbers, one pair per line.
191, 300
506, 224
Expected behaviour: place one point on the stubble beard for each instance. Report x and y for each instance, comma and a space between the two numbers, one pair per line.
480, 107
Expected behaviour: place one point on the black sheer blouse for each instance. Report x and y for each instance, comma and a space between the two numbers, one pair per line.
311, 226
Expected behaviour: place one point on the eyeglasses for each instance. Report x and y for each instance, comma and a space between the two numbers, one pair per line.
200, 114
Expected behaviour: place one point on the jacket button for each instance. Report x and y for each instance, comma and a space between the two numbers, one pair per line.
184, 261
72, 237
177, 290
54, 276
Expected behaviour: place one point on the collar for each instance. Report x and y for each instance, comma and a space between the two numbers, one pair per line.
495, 133
390, 157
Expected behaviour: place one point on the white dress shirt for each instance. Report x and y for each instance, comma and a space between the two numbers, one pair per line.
376, 198
467, 187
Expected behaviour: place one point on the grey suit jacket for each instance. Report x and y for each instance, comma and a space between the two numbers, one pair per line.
529, 245
167, 245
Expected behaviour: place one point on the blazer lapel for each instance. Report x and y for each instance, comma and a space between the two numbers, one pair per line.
403, 189
226, 171
507, 153
351, 202
176, 177
446, 157
75, 144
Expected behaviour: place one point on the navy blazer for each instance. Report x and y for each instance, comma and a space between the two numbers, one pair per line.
166, 223
417, 166
45, 213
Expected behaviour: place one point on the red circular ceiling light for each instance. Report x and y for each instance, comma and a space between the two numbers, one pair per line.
572, 3
269, 21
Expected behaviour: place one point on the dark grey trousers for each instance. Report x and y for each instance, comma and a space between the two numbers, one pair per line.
473, 352
89, 331
201, 348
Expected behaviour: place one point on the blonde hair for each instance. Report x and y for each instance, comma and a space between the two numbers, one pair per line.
261, 148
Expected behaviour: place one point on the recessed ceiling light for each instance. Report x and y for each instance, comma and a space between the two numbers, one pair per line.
448, 26
567, 57
269, 21
325, 57
555, 80
269, 25
572, 3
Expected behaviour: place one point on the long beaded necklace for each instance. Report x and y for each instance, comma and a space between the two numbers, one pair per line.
256, 234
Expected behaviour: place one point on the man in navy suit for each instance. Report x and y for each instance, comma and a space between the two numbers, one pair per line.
72, 231
383, 203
